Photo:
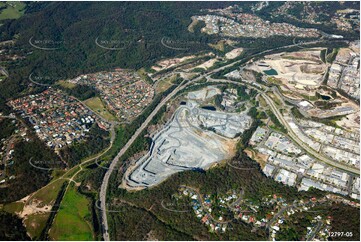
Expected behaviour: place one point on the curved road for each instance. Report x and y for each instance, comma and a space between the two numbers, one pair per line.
104, 186
294, 136
302, 144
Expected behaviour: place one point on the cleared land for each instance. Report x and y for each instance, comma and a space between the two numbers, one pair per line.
204, 94
208, 64
164, 64
195, 138
48, 194
234, 53
194, 23
298, 71
96, 104
350, 122
15, 207
35, 223
164, 84
66, 84
176, 148
14, 10
37, 208
220, 45
71, 222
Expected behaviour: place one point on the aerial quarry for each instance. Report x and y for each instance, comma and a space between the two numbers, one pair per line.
172, 121
315, 142
299, 69
301, 77
194, 138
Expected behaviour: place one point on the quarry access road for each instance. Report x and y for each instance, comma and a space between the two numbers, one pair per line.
114, 163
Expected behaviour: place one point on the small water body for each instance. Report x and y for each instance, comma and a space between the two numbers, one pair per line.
325, 97
198, 169
271, 72
211, 108
183, 103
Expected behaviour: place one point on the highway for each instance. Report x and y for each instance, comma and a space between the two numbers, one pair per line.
292, 134
103, 188
301, 143
275, 110
113, 165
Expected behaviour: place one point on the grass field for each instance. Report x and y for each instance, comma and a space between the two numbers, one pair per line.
262, 101
14, 10
164, 84
274, 98
56, 173
48, 195
66, 84
96, 104
219, 46
274, 80
143, 74
73, 219
14, 207
35, 223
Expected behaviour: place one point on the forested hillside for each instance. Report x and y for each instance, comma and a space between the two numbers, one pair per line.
70, 32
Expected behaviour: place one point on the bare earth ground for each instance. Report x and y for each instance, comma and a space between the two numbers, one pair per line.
234, 53
207, 64
351, 121
298, 71
164, 64
260, 158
